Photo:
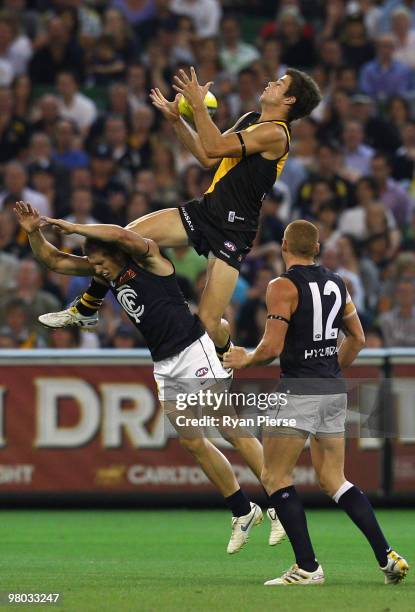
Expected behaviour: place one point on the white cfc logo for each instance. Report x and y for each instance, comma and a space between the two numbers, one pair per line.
127, 298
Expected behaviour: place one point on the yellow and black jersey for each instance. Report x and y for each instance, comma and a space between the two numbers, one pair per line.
241, 183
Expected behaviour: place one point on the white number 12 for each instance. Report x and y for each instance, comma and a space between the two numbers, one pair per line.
330, 332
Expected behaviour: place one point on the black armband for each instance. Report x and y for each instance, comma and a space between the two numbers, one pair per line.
241, 140
278, 318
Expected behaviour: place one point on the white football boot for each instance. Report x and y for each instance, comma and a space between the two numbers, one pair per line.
277, 533
69, 318
396, 568
296, 577
241, 526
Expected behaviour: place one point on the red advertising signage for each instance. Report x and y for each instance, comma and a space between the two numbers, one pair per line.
92, 424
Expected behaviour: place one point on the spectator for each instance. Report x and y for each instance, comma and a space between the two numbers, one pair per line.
188, 264
15, 48
14, 130
138, 206
398, 325
326, 170
118, 29
249, 329
22, 96
163, 166
16, 323
74, 105
66, 152
106, 63
385, 76
47, 115
356, 155
235, 54
8, 235
331, 56
80, 212
379, 133
116, 136
297, 47
361, 273
246, 97
398, 111
15, 184
205, 14
404, 160
404, 34
357, 48
65, 338
58, 53
392, 195
33, 298
354, 221
138, 86
104, 182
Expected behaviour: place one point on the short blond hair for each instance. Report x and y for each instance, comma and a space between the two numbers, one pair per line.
302, 239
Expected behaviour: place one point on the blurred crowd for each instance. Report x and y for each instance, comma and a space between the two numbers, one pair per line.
80, 140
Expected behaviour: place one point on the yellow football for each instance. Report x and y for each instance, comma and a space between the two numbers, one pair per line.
186, 110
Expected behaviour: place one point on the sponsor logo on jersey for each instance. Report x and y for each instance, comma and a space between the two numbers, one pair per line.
230, 246
201, 372
128, 298
128, 275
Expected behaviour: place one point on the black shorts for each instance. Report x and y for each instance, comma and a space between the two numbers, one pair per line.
206, 236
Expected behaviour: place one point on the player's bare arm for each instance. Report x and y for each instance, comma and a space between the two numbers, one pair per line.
47, 254
184, 132
354, 339
269, 139
281, 300
128, 241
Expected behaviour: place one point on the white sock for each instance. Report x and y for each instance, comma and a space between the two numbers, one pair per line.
345, 487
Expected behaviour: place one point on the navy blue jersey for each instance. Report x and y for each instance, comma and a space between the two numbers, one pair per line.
156, 306
310, 349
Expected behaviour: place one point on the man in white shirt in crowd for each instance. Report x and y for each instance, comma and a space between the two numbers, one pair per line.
15, 182
75, 105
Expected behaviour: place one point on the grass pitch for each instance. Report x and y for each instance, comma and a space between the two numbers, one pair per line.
176, 561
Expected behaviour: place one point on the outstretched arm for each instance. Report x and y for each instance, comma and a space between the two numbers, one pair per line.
265, 138
281, 302
30, 220
128, 241
187, 136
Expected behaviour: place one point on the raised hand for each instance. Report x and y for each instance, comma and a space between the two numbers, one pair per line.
66, 227
190, 88
28, 217
170, 110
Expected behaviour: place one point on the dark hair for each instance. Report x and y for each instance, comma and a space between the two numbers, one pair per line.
92, 245
306, 92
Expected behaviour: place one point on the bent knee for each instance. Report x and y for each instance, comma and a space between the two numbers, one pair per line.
273, 481
330, 484
193, 445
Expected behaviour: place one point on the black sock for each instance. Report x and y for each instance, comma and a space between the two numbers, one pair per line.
221, 350
358, 507
238, 503
291, 513
91, 300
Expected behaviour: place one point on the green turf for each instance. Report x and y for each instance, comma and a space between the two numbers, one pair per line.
142, 561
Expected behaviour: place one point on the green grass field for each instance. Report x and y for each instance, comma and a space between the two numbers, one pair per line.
176, 560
